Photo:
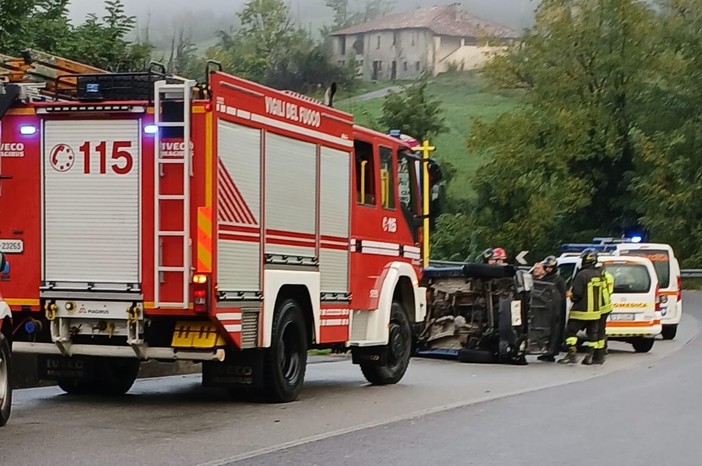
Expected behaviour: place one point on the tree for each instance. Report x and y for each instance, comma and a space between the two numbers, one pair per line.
562, 161
101, 42
413, 111
38, 24
667, 185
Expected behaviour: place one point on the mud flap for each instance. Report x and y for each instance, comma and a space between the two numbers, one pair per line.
376, 355
55, 367
241, 369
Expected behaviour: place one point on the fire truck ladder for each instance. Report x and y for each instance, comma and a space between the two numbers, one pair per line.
181, 93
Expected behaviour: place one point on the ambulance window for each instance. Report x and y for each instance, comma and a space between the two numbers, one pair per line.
630, 278
661, 262
365, 171
387, 179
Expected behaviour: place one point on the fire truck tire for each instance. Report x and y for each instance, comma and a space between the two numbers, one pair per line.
112, 377
399, 350
117, 375
286, 359
5, 385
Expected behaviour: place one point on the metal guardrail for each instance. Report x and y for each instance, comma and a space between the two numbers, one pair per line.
691, 273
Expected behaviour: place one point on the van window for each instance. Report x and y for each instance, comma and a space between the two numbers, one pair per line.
630, 278
661, 262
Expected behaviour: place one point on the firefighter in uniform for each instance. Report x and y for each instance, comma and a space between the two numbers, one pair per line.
558, 323
586, 294
605, 309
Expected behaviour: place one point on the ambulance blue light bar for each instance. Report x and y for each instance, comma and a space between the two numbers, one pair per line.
582, 247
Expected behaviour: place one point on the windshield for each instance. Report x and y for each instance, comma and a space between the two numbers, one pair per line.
630, 278
661, 262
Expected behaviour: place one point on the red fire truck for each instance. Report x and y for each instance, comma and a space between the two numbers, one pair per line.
226, 223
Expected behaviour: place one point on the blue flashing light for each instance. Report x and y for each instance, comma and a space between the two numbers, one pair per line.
30, 327
28, 130
395, 133
151, 129
636, 239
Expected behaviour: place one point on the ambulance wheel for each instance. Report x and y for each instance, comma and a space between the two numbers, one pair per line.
5, 386
669, 332
286, 360
642, 345
399, 350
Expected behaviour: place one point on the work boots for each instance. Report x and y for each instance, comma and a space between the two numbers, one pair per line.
570, 357
599, 356
587, 360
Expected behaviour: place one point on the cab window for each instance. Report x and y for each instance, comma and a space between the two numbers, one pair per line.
630, 278
566, 272
407, 184
387, 179
661, 262
365, 173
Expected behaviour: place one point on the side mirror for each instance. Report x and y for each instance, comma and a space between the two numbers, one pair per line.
4, 264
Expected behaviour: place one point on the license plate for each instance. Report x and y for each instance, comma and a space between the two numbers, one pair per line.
12, 246
622, 316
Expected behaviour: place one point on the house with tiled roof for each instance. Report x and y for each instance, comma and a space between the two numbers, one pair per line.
405, 45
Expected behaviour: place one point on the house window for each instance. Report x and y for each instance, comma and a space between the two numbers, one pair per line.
406, 66
394, 37
418, 65
365, 173
378, 46
342, 45
414, 38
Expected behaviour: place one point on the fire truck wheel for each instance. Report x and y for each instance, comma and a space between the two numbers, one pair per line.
5, 387
286, 360
399, 351
116, 375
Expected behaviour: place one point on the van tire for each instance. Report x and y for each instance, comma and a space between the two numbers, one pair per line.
642, 345
399, 350
669, 331
5, 383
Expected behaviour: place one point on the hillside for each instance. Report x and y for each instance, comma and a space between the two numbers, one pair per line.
463, 97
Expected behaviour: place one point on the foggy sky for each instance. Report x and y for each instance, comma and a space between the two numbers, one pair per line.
513, 13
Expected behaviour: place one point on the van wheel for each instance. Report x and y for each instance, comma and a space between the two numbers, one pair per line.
5, 386
669, 331
286, 359
399, 350
642, 345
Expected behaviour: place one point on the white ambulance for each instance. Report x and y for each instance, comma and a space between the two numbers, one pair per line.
636, 315
669, 279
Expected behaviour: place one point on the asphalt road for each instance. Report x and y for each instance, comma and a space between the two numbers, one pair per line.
637, 408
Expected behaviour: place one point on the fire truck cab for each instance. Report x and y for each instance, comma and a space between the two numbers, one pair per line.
226, 223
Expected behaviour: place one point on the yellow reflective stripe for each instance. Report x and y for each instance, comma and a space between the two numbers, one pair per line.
571, 341
584, 315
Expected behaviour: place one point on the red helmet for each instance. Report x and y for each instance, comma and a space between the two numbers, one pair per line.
499, 254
